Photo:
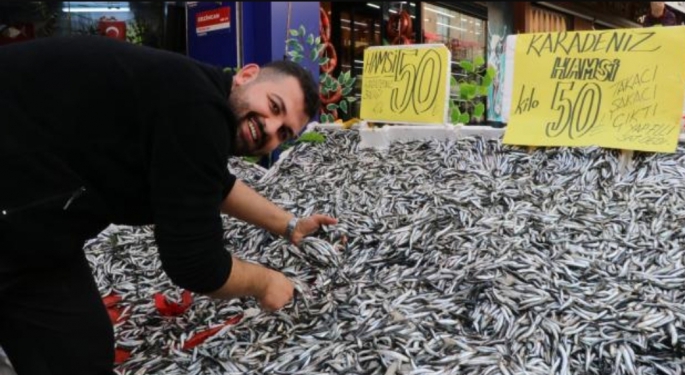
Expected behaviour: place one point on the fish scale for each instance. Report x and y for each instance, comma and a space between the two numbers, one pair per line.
464, 256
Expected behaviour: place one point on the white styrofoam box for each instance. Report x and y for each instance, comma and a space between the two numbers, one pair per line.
509, 49
486, 132
382, 138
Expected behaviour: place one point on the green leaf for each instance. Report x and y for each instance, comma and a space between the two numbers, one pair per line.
453, 81
346, 91
327, 118
297, 59
483, 90
293, 32
351, 99
490, 72
294, 53
324, 61
351, 81
478, 110
455, 114
487, 81
329, 81
312, 137
317, 40
478, 61
465, 90
467, 66
303, 31
341, 79
320, 49
251, 159
464, 118
331, 107
310, 39
347, 76
343, 106
322, 78
312, 54
292, 42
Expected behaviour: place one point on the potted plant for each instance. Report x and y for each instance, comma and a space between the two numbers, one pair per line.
470, 89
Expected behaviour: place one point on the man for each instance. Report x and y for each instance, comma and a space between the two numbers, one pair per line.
95, 131
659, 15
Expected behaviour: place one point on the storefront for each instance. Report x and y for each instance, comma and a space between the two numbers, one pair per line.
354, 26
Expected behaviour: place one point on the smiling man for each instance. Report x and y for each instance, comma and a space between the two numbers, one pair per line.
95, 131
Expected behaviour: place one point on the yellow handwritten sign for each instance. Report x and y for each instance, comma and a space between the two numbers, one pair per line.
406, 84
619, 88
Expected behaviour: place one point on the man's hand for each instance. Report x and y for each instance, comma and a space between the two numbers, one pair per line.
278, 291
271, 288
309, 225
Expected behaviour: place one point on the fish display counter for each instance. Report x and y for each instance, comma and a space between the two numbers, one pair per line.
451, 256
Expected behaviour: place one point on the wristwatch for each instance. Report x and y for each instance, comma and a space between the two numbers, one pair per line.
290, 229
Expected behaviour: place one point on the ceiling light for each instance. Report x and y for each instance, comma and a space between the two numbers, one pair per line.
95, 10
438, 12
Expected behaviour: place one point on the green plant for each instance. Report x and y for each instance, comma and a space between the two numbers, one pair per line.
471, 88
309, 137
136, 30
251, 159
334, 92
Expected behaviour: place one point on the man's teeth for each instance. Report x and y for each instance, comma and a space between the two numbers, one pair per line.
253, 131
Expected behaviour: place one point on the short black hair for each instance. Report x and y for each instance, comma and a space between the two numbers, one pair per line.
310, 88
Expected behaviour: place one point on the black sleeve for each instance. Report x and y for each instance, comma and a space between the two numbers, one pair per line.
189, 179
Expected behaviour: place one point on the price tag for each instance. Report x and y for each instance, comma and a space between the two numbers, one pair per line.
620, 88
406, 84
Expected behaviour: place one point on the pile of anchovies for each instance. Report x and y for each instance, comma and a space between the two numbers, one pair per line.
450, 257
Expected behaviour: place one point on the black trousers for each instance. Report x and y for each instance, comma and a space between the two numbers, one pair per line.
53, 321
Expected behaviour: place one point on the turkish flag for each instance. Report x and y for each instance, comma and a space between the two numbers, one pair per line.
113, 29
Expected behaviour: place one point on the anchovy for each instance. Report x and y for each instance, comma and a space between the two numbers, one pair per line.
461, 256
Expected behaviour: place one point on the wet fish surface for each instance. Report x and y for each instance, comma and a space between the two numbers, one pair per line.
450, 257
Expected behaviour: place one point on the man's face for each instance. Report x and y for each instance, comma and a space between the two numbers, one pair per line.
269, 111
657, 8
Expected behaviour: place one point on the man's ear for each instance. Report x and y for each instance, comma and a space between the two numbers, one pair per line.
246, 74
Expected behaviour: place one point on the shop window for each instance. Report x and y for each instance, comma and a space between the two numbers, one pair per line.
354, 27
464, 35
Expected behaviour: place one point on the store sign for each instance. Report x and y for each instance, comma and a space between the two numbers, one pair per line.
406, 84
620, 88
213, 20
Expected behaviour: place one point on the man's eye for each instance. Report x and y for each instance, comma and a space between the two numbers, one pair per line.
274, 107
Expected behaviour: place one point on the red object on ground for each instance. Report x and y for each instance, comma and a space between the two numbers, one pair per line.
111, 300
168, 308
202, 336
113, 311
121, 355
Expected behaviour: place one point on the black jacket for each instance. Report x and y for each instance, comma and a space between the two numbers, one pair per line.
95, 131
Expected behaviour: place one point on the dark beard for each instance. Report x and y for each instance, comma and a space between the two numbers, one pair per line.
233, 129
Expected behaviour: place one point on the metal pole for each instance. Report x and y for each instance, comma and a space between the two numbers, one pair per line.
287, 30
